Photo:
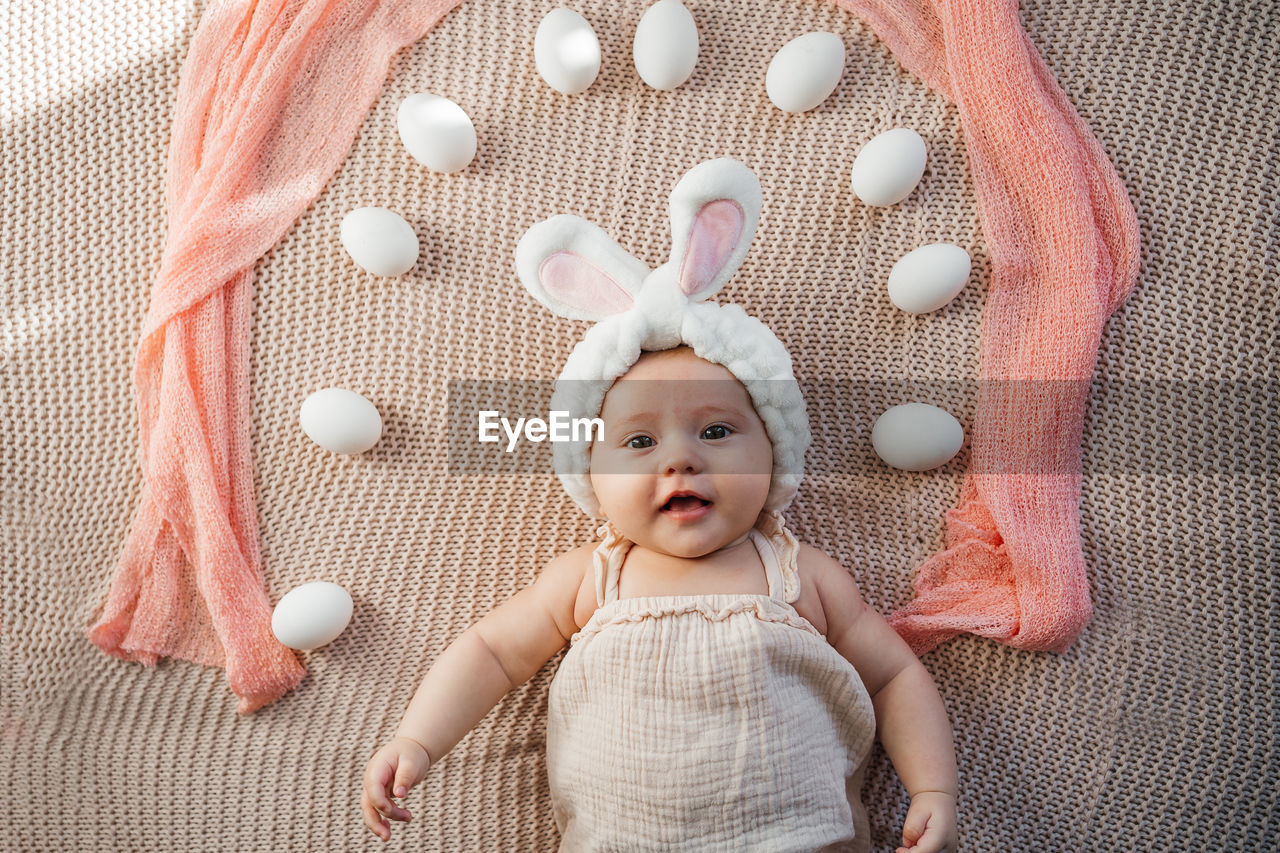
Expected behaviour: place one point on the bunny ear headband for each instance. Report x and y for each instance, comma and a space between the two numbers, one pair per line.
575, 269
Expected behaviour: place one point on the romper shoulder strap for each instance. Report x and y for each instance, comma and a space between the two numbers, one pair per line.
778, 551
607, 560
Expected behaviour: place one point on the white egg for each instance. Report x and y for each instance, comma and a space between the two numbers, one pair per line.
341, 421
805, 71
888, 167
566, 51
311, 615
666, 45
916, 436
436, 132
929, 277
380, 241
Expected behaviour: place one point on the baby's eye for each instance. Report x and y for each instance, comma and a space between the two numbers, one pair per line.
639, 442
715, 432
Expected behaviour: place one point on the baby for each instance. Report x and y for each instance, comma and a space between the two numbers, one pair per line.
723, 683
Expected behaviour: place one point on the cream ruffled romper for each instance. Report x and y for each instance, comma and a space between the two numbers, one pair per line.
707, 722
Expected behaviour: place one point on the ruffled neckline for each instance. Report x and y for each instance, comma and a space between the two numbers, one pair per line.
714, 607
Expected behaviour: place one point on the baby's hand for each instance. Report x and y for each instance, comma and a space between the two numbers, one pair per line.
392, 771
931, 824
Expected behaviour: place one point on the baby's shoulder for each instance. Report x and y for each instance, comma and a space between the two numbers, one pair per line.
571, 574
815, 563
824, 584
572, 562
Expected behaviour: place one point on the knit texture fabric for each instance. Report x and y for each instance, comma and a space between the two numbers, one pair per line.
1173, 679
264, 82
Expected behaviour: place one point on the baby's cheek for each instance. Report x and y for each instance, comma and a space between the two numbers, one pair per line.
622, 494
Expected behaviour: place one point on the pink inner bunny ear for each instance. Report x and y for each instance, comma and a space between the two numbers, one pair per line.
573, 280
717, 228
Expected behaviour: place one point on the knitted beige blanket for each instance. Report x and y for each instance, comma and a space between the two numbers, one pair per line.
1155, 730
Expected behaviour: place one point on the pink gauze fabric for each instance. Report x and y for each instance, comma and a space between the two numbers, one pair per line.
1063, 240
271, 96
270, 99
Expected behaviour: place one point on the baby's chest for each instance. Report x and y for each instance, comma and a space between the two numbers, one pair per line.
645, 573
641, 581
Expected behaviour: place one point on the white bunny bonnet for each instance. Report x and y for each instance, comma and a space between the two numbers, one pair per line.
573, 268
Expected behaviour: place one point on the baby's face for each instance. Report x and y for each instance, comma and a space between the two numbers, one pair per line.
685, 463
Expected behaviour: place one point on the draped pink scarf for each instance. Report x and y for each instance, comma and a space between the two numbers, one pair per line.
271, 97
1063, 242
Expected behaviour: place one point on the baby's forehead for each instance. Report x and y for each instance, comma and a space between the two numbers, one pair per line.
676, 363
676, 376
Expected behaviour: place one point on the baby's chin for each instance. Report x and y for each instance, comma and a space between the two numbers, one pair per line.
691, 551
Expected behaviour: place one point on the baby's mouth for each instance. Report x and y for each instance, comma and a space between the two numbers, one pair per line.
684, 503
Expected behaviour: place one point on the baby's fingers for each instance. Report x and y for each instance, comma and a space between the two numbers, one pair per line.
931, 841
404, 780
375, 801
930, 825
914, 827
375, 821
375, 815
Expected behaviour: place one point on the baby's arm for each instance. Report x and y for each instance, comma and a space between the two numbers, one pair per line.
911, 720
498, 653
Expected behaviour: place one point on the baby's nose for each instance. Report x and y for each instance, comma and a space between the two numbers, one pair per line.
681, 457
